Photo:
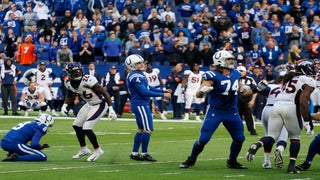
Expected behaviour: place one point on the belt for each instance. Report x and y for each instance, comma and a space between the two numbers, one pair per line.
269, 105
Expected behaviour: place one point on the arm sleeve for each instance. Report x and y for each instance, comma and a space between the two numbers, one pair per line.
146, 92
36, 139
155, 89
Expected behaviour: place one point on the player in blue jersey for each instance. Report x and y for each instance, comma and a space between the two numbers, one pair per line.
221, 87
140, 93
15, 141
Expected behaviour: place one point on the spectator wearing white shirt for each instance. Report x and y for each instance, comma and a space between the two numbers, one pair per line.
42, 11
168, 12
17, 13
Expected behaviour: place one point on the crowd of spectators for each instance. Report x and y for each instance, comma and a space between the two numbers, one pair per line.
258, 33
263, 35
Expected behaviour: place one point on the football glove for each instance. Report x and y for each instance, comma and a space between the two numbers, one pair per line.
262, 85
34, 105
112, 115
28, 103
205, 90
244, 88
64, 110
45, 146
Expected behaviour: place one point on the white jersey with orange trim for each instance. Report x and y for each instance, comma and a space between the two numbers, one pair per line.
84, 90
152, 77
193, 82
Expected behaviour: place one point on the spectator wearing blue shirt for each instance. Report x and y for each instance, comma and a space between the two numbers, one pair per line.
271, 54
13, 24
143, 32
53, 52
2, 14
112, 49
146, 11
74, 44
43, 51
235, 12
186, 9
98, 38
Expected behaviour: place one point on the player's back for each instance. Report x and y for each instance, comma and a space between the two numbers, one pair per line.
224, 96
135, 79
274, 90
23, 132
291, 90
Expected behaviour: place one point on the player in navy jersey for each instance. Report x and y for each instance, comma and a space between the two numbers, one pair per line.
15, 141
221, 87
140, 93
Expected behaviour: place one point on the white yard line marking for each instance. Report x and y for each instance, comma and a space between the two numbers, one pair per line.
233, 176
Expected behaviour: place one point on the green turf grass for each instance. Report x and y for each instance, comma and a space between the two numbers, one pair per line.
170, 144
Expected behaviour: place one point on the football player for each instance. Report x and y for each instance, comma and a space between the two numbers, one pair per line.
221, 87
140, 93
190, 84
97, 103
15, 141
44, 77
155, 80
32, 98
293, 98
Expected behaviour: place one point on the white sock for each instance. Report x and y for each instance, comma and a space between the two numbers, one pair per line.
266, 157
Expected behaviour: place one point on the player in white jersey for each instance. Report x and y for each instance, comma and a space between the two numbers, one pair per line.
32, 98
289, 111
190, 84
271, 92
44, 78
97, 100
155, 80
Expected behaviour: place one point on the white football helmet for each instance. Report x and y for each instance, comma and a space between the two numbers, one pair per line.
45, 119
219, 59
132, 60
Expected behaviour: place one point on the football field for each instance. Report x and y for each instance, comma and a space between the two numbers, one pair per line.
170, 144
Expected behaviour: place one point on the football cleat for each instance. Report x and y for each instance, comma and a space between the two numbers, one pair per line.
292, 170
278, 161
95, 155
147, 157
163, 117
198, 118
235, 165
266, 165
304, 166
252, 151
11, 157
188, 163
82, 152
136, 157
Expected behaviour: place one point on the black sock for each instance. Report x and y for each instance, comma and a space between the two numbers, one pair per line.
80, 135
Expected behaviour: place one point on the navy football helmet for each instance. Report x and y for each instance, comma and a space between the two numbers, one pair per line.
306, 68
75, 71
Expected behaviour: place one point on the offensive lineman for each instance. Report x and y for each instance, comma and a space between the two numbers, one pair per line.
222, 87
291, 105
96, 98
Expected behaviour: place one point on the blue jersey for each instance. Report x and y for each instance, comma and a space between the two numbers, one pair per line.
225, 93
139, 89
27, 131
